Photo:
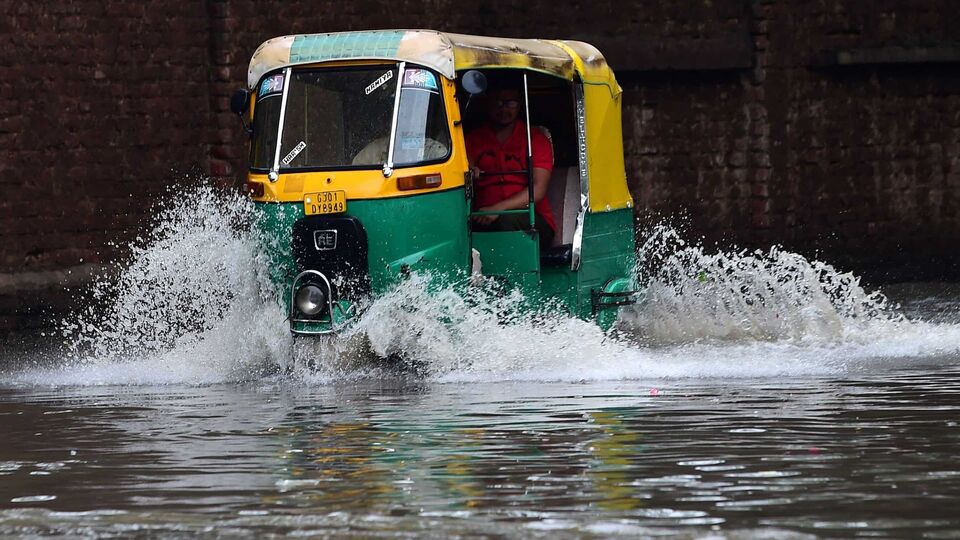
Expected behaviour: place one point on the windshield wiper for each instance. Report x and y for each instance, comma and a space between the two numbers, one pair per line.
274, 170
388, 166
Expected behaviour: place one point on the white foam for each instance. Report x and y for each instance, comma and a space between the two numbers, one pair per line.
774, 295
191, 304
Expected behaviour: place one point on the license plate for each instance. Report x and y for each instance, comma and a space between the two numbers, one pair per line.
325, 202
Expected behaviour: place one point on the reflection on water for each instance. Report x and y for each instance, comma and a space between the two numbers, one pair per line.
835, 456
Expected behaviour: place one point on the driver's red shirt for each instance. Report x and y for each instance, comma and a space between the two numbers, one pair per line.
486, 152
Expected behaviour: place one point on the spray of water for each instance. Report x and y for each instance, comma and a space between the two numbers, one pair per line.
193, 304
691, 295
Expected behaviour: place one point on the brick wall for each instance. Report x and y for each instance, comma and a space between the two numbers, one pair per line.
869, 154
102, 105
822, 125
857, 163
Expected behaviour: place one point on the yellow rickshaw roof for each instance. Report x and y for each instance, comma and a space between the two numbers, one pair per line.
446, 53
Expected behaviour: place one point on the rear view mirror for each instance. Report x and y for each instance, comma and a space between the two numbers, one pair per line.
239, 104
474, 82
240, 101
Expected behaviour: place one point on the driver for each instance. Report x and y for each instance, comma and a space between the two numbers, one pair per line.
500, 146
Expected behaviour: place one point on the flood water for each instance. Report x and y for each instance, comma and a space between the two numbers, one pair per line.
750, 395
870, 452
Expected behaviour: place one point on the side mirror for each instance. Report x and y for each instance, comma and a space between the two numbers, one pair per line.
239, 104
240, 101
474, 82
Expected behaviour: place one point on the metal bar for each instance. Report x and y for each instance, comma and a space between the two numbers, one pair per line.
502, 173
580, 107
601, 300
621, 294
498, 212
283, 112
388, 166
618, 303
526, 108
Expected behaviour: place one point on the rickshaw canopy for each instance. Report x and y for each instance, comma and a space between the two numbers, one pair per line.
603, 181
444, 52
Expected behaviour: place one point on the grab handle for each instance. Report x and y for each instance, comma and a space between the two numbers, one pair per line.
497, 212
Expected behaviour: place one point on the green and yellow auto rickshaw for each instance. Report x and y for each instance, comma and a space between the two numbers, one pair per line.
370, 179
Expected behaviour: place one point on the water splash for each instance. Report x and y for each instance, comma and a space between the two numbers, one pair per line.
692, 295
193, 304
479, 334
190, 303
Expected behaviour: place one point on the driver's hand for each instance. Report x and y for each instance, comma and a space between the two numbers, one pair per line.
485, 220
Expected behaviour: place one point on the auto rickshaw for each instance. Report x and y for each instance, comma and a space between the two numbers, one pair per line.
370, 181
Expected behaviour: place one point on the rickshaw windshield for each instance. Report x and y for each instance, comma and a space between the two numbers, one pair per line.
342, 117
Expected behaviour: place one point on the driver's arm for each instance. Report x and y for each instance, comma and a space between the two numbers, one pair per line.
541, 180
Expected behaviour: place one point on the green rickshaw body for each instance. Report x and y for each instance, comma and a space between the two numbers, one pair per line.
345, 213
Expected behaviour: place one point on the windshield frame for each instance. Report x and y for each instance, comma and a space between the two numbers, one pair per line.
274, 166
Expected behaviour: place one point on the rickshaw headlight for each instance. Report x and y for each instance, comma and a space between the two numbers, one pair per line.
310, 299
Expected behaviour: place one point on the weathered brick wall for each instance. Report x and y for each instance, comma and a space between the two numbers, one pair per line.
871, 152
855, 163
102, 105
751, 122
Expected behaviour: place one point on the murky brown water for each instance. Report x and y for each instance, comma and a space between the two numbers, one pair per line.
859, 454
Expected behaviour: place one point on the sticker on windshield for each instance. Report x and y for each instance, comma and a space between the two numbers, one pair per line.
272, 84
419, 78
293, 153
411, 143
379, 82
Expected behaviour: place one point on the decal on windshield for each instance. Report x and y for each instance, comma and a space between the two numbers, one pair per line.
420, 78
379, 82
293, 153
411, 143
272, 85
